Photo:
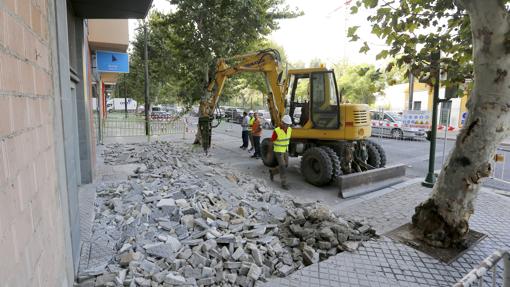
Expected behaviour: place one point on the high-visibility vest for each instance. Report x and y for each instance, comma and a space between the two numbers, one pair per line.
281, 144
250, 123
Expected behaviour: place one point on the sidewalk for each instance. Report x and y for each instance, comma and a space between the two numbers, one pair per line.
384, 262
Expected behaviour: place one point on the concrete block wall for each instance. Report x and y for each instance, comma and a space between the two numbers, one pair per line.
32, 217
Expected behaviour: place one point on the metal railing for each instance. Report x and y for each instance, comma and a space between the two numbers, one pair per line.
135, 126
499, 276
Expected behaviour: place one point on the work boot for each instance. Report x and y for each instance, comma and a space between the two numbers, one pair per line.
271, 175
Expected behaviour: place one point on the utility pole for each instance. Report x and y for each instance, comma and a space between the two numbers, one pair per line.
147, 104
125, 96
411, 90
435, 74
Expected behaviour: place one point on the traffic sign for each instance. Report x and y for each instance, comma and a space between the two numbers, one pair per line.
112, 62
463, 118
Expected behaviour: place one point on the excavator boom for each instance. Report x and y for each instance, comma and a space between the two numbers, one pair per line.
266, 62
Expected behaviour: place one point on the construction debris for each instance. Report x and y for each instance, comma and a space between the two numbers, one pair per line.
185, 219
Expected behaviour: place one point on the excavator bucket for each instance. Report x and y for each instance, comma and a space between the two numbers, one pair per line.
205, 126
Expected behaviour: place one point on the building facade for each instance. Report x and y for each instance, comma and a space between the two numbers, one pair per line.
47, 139
396, 98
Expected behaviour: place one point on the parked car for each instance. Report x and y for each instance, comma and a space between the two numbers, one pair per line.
389, 124
234, 115
160, 115
265, 119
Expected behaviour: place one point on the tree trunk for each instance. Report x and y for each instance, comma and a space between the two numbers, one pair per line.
203, 106
443, 219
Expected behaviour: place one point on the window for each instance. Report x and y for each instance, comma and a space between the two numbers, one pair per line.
417, 106
325, 112
387, 118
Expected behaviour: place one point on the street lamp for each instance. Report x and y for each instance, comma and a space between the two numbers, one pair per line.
435, 74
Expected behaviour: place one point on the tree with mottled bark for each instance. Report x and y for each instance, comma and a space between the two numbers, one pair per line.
474, 38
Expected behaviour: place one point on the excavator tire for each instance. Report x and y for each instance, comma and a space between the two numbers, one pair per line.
340, 150
374, 158
335, 161
382, 153
316, 166
266, 149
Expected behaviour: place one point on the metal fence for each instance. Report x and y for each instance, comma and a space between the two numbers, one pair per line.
489, 272
135, 126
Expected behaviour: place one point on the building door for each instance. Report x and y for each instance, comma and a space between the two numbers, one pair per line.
417, 106
444, 117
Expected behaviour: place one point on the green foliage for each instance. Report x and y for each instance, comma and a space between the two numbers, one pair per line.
360, 82
413, 29
184, 44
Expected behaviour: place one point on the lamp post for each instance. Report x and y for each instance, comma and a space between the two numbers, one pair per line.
147, 104
430, 179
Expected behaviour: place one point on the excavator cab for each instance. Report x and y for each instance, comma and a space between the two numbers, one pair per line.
319, 106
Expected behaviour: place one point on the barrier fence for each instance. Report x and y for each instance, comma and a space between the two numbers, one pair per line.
135, 126
489, 272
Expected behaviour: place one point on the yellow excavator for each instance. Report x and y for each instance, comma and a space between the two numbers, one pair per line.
331, 137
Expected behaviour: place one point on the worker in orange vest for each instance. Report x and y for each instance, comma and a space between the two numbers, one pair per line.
256, 132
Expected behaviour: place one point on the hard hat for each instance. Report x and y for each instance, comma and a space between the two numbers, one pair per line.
250, 112
287, 120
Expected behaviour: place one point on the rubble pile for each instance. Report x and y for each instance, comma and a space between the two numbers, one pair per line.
184, 219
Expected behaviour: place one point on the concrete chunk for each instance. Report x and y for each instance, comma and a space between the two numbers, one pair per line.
254, 272
166, 202
175, 279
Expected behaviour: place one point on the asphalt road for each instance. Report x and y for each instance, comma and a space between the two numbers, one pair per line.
413, 153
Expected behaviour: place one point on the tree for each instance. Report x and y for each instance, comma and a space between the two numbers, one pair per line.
360, 83
473, 36
207, 30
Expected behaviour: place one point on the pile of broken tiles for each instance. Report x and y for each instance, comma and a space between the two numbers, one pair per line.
184, 219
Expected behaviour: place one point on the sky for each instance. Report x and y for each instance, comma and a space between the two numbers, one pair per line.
319, 33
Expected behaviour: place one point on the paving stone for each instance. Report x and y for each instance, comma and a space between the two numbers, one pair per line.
105, 279
197, 260
166, 202
206, 281
160, 276
221, 226
257, 257
232, 265
254, 272
161, 250
238, 253
175, 279
129, 256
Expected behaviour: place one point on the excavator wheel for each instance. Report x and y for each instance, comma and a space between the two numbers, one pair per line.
316, 166
382, 153
335, 161
266, 149
374, 158
341, 149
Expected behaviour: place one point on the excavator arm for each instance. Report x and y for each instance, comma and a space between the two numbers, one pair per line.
266, 62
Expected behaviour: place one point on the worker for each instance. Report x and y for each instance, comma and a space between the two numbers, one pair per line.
244, 134
281, 140
250, 127
256, 134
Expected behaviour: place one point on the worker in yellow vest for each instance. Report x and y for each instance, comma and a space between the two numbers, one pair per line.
250, 129
281, 140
